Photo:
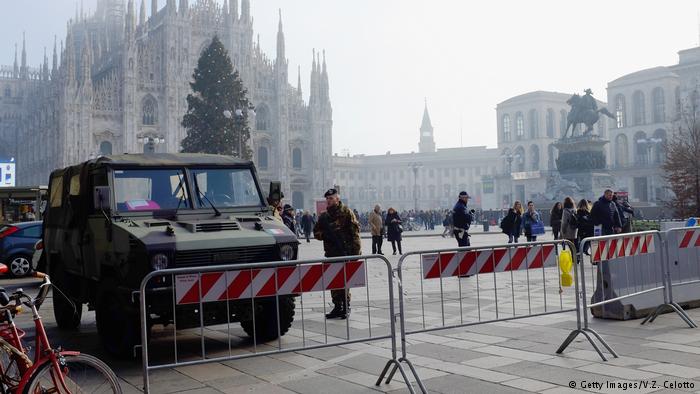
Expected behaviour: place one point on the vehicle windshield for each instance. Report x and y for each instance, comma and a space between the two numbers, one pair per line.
225, 188
150, 190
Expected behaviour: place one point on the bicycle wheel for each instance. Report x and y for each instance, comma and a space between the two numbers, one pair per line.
10, 374
82, 374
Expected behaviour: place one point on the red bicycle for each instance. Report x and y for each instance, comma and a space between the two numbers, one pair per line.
53, 370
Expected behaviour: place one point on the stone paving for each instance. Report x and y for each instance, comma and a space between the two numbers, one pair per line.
504, 356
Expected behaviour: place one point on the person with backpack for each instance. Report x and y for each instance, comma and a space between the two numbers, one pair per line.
511, 223
569, 223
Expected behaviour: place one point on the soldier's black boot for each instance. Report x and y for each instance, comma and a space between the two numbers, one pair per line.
337, 311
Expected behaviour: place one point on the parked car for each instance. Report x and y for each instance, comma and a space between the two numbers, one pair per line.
17, 242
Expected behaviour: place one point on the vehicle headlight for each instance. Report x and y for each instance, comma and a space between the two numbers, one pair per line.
286, 252
159, 261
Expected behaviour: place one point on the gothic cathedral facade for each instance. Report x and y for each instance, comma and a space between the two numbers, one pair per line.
122, 78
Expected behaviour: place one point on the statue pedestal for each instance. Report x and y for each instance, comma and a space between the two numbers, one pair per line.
582, 167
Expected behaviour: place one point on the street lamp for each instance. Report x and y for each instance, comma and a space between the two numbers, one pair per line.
649, 143
150, 142
415, 166
509, 158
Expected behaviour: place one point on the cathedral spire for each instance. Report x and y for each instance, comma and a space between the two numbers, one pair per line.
245, 11
130, 20
224, 9
280, 40
233, 10
142, 13
23, 69
183, 7
154, 8
45, 67
299, 79
54, 65
86, 63
15, 69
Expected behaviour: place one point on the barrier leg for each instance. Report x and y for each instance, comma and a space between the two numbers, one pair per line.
610, 349
568, 340
683, 315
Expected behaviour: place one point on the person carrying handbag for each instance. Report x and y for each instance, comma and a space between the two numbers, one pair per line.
531, 223
394, 229
569, 223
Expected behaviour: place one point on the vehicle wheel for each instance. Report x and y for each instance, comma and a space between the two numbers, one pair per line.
20, 265
117, 327
66, 309
266, 318
82, 373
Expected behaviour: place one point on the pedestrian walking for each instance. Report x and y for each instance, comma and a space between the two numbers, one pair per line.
394, 229
511, 224
625, 211
584, 224
376, 227
288, 218
307, 225
605, 214
569, 223
447, 224
555, 217
462, 219
339, 230
531, 218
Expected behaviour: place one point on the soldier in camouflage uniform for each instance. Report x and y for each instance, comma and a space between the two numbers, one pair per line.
340, 232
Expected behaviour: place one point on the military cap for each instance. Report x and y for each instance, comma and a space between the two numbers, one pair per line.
330, 192
288, 207
464, 194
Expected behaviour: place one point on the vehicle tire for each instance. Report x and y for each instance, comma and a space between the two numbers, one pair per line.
20, 265
266, 318
117, 327
82, 373
66, 309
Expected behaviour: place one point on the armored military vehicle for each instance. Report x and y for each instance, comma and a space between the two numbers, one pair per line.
112, 220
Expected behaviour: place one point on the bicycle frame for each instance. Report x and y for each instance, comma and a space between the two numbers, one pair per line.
43, 353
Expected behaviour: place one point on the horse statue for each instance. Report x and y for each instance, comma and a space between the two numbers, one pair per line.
584, 110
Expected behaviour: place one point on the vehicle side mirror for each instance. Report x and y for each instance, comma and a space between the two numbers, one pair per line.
276, 191
102, 198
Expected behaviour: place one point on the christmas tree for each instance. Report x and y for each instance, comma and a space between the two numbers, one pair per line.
217, 109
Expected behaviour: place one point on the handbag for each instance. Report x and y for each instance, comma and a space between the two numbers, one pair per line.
537, 228
400, 227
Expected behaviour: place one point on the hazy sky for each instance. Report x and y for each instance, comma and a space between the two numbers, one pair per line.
385, 56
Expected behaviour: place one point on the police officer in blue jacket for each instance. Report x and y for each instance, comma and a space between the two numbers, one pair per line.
462, 219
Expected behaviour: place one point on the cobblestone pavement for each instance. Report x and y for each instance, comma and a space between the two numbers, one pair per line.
506, 356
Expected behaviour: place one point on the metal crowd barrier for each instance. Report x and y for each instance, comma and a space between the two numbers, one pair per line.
682, 269
206, 293
462, 287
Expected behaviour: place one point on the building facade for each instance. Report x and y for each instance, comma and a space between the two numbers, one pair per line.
122, 79
528, 127
429, 179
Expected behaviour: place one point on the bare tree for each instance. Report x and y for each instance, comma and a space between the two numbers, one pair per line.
682, 164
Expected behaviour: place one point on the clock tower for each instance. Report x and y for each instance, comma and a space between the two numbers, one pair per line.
426, 143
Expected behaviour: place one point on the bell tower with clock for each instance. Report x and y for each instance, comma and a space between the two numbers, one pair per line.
427, 142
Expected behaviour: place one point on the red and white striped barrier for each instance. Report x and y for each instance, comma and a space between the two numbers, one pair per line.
614, 248
443, 265
266, 282
691, 239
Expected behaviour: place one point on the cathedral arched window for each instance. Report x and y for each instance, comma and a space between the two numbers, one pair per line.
8, 91
639, 108
658, 105
296, 158
505, 124
262, 158
620, 109
641, 148
519, 125
621, 150
150, 111
105, 148
550, 123
262, 117
658, 144
534, 123
298, 200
